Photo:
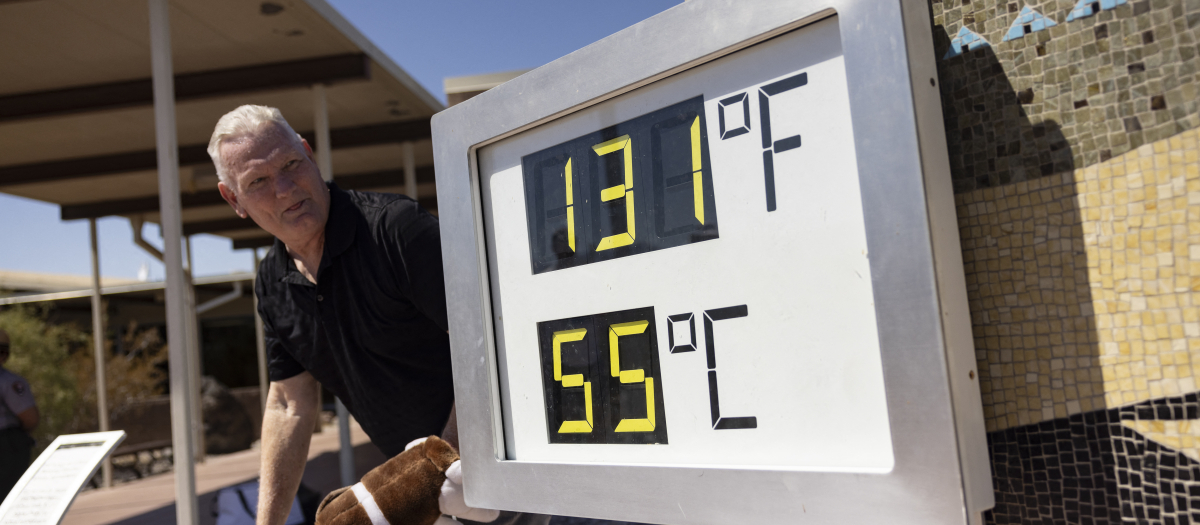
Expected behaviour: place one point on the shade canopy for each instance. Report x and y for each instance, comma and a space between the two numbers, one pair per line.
77, 117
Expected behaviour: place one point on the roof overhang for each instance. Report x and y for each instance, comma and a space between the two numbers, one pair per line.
76, 112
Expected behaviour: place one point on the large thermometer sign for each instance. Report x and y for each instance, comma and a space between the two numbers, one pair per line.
702, 283
689, 269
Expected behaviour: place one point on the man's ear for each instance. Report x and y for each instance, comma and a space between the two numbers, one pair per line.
307, 148
232, 199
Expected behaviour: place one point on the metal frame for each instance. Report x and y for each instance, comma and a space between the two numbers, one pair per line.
941, 472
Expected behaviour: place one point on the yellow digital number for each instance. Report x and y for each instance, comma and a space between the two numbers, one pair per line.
573, 380
571, 209
631, 376
623, 144
697, 177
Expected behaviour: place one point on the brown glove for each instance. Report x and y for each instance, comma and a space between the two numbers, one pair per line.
404, 490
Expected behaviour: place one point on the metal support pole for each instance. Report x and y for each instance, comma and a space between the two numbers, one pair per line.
98, 345
321, 125
166, 143
136, 223
410, 171
194, 363
260, 340
346, 452
236, 293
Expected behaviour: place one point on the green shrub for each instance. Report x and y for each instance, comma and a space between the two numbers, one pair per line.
41, 353
58, 362
136, 374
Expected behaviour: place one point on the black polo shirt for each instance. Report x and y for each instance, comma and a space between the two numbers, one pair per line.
373, 328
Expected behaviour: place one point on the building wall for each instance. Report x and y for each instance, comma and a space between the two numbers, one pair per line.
1083, 289
1076, 167
1083, 285
457, 98
1072, 95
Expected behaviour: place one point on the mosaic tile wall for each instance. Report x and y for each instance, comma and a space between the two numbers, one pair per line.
1094, 469
1046, 86
1084, 286
1084, 290
1073, 134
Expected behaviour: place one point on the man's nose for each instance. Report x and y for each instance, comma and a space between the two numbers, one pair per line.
284, 185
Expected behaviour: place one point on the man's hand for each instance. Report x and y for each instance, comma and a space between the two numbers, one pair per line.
452, 502
287, 429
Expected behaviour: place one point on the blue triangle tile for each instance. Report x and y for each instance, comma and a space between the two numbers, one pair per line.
1028, 18
1086, 8
965, 40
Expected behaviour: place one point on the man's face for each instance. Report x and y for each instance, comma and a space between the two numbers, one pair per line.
276, 183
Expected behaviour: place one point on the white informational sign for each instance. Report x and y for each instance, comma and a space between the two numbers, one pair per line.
707, 271
745, 249
49, 486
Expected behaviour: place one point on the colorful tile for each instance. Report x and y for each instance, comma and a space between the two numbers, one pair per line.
1086, 8
965, 40
1028, 22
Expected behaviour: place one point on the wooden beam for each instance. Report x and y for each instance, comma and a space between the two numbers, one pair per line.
219, 225
390, 132
149, 204
89, 210
189, 86
380, 179
99, 165
198, 154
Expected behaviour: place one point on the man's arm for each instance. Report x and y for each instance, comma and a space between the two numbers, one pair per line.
287, 429
29, 418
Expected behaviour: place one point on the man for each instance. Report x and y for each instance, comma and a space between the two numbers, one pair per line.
18, 416
351, 295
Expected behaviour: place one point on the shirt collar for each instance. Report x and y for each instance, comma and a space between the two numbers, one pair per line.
340, 227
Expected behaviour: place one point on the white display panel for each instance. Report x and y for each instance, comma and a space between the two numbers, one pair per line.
804, 361
45, 492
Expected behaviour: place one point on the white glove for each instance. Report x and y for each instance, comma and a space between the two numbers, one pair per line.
451, 501
415, 442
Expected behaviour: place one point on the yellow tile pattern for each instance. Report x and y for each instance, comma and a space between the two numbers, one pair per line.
1085, 286
1183, 436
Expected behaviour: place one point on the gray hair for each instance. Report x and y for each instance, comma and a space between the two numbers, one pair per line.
242, 122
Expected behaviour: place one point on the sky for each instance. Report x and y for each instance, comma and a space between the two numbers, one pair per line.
429, 40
